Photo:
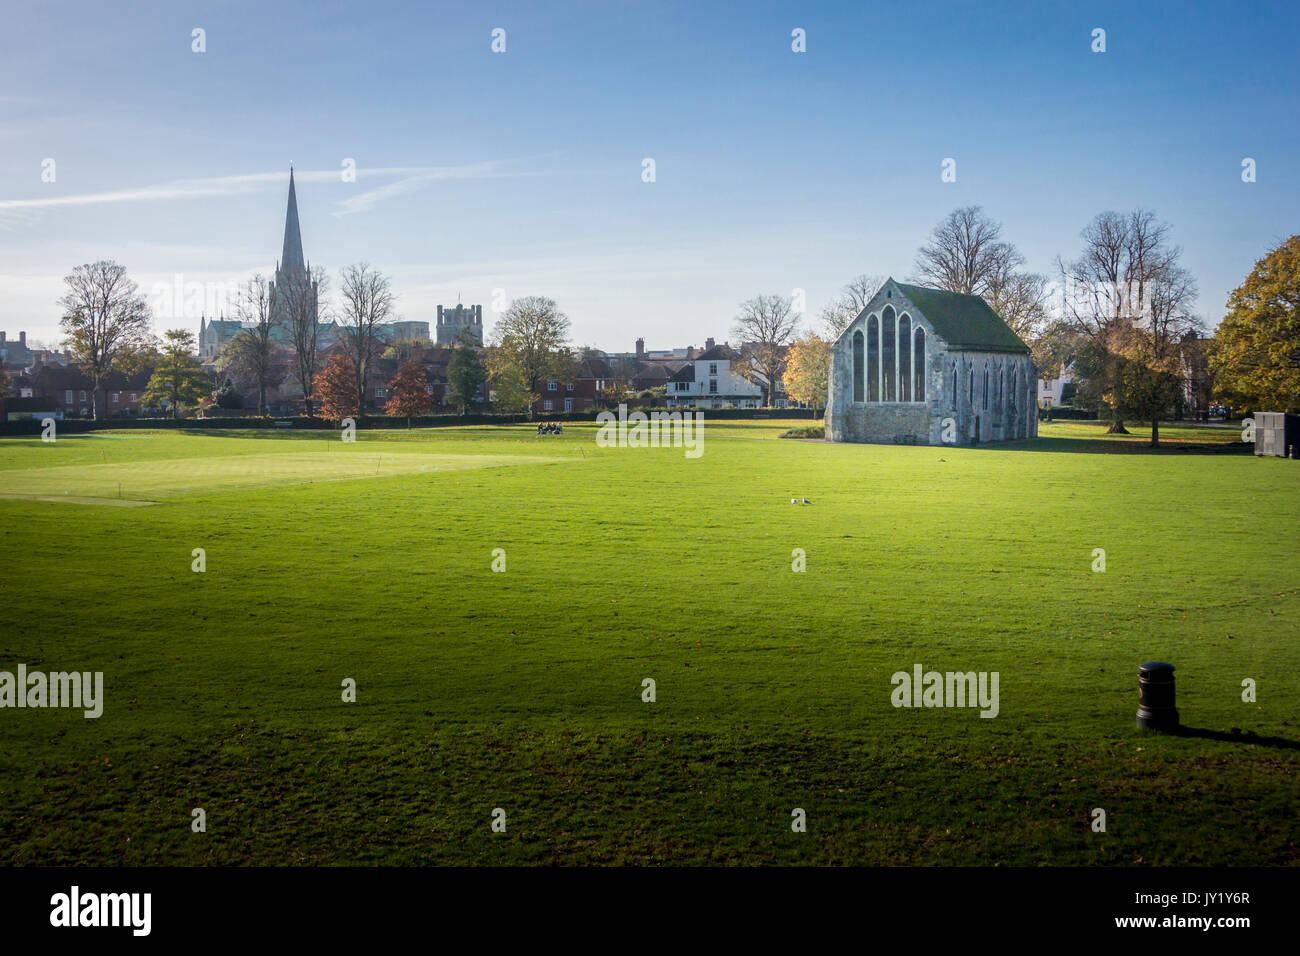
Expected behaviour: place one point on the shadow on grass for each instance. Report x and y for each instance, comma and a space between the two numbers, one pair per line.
1113, 446
1241, 737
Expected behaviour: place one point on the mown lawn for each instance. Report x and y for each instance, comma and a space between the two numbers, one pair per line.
522, 690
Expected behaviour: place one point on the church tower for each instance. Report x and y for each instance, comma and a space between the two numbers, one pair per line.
292, 273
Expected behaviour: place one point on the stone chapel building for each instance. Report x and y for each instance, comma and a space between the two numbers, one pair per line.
923, 366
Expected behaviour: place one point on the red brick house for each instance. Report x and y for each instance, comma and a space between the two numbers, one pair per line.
70, 390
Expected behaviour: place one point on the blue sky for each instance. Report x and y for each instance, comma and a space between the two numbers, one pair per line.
521, 171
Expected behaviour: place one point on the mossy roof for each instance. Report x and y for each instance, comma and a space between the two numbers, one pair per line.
964, 321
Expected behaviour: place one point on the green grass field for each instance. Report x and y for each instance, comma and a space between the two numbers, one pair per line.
522, 690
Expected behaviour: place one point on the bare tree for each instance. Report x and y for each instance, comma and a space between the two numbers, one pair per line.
251, 347
367, 303
297, 306
966, 253
1021, 299
1127, 286
769, 324
851, 300
106, 322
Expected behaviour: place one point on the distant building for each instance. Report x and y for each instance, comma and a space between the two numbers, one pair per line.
410, 332
214, 335
70, 391
292, 271
709, 381
15, 354
921, 366
1052, 392
453, 321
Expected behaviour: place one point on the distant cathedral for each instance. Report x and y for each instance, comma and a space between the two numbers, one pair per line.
451, 322
292, 271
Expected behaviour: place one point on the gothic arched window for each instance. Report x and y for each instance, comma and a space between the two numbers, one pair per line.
918, 358
873, 359
904, 358
857, 366
986, 386
889, 356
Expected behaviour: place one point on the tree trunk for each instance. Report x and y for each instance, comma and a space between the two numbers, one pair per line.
97, 407
1117, 428
1155, 432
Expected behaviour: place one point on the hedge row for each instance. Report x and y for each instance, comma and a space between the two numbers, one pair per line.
73, 426
1071, 414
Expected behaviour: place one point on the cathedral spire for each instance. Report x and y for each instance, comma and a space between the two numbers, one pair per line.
291, 259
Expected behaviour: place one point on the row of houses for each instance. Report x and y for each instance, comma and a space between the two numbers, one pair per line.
688, 377
65, 391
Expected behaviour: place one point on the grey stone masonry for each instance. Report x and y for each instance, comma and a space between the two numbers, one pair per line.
956, 375
452, 321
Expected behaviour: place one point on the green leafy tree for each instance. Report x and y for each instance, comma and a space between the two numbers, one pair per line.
228, 396
1255, 356
531, 341
509, 383
465, 373
1055, 347
178, 382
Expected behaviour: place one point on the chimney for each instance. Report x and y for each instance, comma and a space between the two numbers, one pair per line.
690, 351
640, 348
708, 343
2, 338
22, 339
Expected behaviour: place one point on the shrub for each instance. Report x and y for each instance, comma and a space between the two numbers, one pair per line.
808, 431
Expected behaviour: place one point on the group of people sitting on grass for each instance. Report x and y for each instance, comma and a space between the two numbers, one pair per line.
550, 428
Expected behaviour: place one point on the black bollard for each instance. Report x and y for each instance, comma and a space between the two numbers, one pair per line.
1156, 710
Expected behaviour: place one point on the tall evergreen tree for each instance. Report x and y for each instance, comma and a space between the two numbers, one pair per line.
178, 381
465, 373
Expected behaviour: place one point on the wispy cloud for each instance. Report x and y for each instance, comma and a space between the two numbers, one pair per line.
412, 177
416, 179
